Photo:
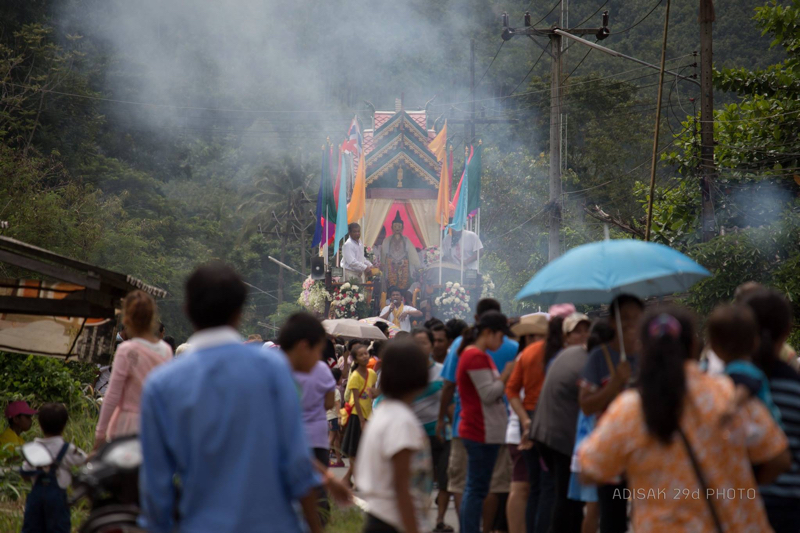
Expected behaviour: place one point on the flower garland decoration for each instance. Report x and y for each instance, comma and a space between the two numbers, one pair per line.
487, 291
431, 256
314, 296
373, 257
454, 301
348, 301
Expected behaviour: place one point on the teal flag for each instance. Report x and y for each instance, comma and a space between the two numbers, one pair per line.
341, 215
474, 172
460, 216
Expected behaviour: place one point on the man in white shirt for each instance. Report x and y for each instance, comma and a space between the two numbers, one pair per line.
353, 259
397, 312
466, 243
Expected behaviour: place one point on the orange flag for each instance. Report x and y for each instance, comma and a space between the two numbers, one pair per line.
439, 148
358, 201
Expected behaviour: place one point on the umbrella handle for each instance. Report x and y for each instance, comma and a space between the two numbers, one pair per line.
622, 355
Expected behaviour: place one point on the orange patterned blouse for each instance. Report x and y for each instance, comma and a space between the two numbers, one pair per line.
663, 487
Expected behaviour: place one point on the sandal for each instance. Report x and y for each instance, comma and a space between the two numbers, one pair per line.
441, 527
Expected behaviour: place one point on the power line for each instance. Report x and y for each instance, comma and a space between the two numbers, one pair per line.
548, 13
637, 22
593, 80
490, 63
173, 106
578, 65
587, 19
529, 73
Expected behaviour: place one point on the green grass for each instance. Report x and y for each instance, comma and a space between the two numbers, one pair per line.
350, 520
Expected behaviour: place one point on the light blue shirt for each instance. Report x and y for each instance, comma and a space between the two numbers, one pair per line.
226, 420
503, 356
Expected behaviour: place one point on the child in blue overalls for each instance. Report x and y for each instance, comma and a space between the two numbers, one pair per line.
46, 509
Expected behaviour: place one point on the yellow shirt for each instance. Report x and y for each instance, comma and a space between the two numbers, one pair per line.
9, 437
355, 385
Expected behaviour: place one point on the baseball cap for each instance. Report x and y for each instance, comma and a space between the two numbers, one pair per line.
19, 408
572, 321
535, 324
494, 321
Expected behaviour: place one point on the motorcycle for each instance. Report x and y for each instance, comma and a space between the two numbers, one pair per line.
109, 481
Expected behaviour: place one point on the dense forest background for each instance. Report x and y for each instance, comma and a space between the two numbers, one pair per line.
151, 136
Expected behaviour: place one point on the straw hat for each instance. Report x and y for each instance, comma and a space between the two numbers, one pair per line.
535, 324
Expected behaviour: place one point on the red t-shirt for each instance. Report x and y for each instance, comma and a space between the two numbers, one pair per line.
483, 414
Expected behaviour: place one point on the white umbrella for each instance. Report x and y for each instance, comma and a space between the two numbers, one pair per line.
353, 329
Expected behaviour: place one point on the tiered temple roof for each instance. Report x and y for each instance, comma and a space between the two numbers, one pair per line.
399, 163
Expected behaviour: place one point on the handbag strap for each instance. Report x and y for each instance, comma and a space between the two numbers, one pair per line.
701, 479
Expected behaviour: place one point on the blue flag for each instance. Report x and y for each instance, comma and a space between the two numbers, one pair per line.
462, 210
341, 215
318, 230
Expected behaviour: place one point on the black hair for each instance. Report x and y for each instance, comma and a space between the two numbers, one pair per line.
376, 348
555, 338
329, 352
404, 369
667, 341
53, 418
353, 342
422, 331
600, 333
432, 322
455, 328
438, 326
395, 289
471, 334
732, 331
169, 339
487, 304
352, 226
215, 295
774, 321
621, 301
161, 327
383, 326
401, 334
355, 362
337, 373
300, 327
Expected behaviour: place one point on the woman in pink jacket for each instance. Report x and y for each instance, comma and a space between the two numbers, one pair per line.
133, 361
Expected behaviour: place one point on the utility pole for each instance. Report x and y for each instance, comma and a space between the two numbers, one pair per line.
554, 247
556, 97
707, 165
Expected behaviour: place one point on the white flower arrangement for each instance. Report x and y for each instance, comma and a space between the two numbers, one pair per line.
487, 291
314, 296
452, 303
346, 301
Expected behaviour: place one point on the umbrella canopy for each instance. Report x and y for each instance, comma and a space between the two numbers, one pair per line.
393, 330
352, 329
598, 272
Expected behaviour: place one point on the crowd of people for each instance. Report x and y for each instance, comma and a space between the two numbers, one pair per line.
551, 422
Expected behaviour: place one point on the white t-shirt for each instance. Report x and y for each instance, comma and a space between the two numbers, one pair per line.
469, 244
405, 323
74, 457
392, 429
333, 413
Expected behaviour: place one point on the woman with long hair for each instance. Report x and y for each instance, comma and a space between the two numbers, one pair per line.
685, 471
483, 414
773, 315
133, 361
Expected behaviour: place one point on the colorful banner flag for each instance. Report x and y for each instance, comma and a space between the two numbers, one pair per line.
358, 201
474, 173
354, 140
326, 204
341, 215
439, 148
468, 155
460, 216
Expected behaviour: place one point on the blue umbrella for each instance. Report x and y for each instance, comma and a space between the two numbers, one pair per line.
596, 273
